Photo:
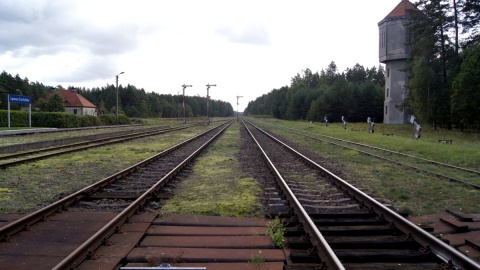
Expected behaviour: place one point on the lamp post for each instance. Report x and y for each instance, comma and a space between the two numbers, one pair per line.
208, 98
184, 86
116, 79
237, 105
178, 111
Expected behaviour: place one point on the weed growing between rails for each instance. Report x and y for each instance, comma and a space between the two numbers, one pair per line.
259, 261
276, 230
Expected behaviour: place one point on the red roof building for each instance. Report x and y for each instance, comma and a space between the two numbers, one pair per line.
74, 102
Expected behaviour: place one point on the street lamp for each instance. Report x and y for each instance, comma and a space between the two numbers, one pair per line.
208, 98
116, 79
237, 105
184, 86
178, 111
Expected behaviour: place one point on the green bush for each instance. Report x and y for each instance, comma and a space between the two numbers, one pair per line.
59, 119
111, 119
55, 119
17, 118
89, 120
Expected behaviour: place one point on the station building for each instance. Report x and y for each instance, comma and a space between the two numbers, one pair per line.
74, 102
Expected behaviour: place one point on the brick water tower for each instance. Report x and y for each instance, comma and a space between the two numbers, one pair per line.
393, 52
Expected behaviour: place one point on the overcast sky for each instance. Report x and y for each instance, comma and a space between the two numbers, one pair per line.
247, 48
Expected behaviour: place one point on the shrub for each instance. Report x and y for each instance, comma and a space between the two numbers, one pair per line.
17, 118
111, 119
59, 119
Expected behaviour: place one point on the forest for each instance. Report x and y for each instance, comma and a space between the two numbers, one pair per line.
443, 71
133, 102
355, 94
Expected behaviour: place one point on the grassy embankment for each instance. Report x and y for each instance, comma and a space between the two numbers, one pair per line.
411, 191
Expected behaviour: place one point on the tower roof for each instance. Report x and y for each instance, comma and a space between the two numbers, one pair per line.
400, 10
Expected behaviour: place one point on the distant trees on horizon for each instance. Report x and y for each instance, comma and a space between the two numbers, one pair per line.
357, 93
133, 102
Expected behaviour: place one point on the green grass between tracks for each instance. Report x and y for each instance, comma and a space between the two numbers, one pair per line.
216, 185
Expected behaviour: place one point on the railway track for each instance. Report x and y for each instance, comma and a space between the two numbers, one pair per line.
63, 234
346, 228
114, 224
457, 174
14, 159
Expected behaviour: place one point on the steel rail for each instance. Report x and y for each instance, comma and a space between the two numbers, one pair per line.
324, 251
93, 242
445, 252
84, 142
393, 152
26, 221
87, 145
401, 163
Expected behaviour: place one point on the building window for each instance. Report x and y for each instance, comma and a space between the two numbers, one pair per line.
386, 109
74, 111
388, 91
388, 72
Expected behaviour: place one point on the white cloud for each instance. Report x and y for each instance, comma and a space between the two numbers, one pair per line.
245, 47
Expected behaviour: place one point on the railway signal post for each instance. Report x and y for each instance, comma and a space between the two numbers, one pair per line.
184, 86
208, 98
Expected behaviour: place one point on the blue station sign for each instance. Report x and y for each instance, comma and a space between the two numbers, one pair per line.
19, 99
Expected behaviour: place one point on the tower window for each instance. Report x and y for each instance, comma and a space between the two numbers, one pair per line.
386, 109
388, 91
388, 72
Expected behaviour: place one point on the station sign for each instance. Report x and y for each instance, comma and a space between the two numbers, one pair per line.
22, 100
19, 99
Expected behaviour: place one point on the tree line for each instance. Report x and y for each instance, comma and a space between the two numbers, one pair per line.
356, 94
133, 102
444, 70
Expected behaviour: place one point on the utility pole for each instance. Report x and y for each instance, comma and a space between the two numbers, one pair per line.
116, 79
208, 98
237, 105
178, 109
184, 86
